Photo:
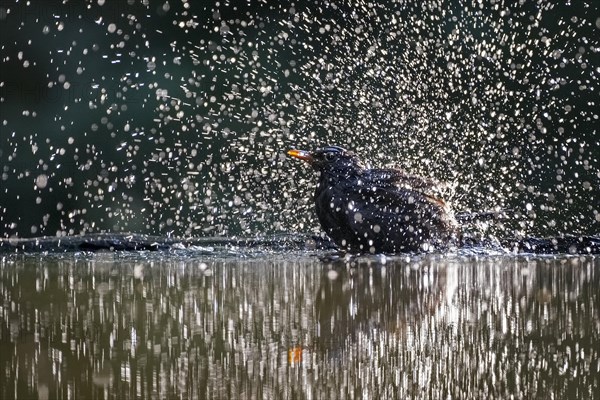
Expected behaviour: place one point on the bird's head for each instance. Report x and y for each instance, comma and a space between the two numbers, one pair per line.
332, 159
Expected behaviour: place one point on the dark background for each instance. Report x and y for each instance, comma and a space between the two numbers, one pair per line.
173, 118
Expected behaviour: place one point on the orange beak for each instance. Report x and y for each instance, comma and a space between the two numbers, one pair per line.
301, 155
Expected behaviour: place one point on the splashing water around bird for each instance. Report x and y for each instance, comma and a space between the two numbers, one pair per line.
174, 121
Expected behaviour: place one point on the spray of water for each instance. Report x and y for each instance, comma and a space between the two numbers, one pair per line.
174, 118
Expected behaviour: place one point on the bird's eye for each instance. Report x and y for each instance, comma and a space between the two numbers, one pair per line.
330, 156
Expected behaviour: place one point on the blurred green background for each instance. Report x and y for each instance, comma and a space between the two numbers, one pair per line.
173, 118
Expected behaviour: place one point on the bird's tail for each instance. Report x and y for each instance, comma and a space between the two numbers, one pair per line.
567, 244
563, 244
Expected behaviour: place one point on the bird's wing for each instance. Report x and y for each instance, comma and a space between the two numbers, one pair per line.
400, 179
389, 206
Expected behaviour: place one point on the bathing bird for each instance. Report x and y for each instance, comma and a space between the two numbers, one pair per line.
377, 210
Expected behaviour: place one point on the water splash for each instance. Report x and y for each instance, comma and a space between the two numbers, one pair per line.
174, 119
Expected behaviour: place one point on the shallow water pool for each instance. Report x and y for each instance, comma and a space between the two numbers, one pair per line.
286, 325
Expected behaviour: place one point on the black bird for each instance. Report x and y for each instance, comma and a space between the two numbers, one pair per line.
377, 210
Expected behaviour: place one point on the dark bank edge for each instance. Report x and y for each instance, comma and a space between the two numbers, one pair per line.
567, 244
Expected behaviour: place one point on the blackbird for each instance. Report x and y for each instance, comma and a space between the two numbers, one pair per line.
375, 210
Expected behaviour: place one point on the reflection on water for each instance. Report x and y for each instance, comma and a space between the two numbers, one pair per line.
288, 326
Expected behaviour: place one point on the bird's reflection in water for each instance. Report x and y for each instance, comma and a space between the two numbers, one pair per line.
292, 327
376, 298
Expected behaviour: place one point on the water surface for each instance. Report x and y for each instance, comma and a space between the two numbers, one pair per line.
289, 326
